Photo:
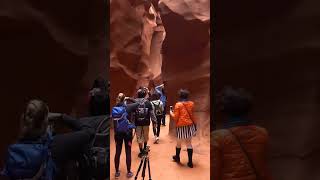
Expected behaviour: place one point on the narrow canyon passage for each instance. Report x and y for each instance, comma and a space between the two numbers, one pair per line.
157, 43
161, 164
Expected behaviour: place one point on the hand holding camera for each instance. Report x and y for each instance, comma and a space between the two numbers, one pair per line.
54, 117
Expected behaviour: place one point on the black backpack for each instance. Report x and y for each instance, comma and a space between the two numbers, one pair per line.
142, 111
97, 161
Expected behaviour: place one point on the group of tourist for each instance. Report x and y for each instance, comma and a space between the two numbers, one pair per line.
237, 150
136, 115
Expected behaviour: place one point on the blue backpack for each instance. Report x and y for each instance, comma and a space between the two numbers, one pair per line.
30, 160
119, 114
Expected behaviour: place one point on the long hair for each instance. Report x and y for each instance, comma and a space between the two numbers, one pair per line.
34, 120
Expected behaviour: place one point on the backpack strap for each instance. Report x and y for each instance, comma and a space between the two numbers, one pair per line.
97, 131
246, 154
122, 116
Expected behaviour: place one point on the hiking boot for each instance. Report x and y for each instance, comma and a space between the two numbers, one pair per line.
190, 165
129, 175
176, 157
117, 175
190, 152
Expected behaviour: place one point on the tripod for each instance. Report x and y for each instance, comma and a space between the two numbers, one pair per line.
144, 161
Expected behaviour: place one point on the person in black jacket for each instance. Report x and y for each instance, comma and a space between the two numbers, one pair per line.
142, 115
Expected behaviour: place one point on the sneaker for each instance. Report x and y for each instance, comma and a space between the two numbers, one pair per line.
157, 140
117, 175
129, 175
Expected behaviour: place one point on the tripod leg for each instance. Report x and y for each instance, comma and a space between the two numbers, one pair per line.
141, 162
144, 168
149, 169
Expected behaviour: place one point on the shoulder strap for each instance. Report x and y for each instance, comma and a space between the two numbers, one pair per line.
188, 113
246, 154
97, 131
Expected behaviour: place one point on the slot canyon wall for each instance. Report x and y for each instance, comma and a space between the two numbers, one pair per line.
271, 48
52, 50
168, 42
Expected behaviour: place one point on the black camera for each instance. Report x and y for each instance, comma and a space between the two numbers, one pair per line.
146, 151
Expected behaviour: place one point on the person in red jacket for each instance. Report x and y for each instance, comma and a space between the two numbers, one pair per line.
185, 124
239, 151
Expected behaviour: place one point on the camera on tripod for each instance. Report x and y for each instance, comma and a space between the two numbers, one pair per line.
145, 152
144, 164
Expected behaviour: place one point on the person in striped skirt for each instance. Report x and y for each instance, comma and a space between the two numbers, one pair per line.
182, 115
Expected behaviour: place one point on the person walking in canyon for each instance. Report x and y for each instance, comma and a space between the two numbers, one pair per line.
239, 150
186, 128
163, 99
158, 111
142, 115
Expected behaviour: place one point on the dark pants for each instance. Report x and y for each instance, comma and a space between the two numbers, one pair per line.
164, 115
156, 130
119, 139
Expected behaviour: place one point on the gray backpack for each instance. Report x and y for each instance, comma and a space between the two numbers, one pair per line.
157, 108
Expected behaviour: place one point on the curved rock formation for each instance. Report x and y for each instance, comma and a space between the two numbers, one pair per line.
173, 48
189, 9
136, 39
186, 63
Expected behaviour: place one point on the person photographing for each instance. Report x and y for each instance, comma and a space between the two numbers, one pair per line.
123, 131
182, 114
